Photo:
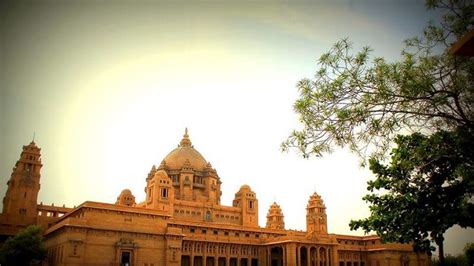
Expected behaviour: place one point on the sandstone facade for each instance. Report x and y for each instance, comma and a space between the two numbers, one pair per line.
182, 222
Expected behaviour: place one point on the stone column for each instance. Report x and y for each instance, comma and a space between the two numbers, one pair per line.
335, 256
316, 257
204, 253
268, 256
191, 255
327, 263
291, 256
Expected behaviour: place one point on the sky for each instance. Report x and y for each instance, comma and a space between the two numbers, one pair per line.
108, 87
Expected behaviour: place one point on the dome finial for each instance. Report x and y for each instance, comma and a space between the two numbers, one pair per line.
185, 141
33, 140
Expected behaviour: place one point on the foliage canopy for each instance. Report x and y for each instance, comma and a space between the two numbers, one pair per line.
366, 102
363, 102
24, 248
426, 189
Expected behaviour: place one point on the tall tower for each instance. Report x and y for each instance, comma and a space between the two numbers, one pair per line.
275, 218
246, 200
316, 218
20, 201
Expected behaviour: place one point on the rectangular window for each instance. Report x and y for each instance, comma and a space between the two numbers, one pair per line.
164, 192
125, 258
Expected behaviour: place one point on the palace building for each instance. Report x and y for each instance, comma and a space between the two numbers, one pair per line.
182, 222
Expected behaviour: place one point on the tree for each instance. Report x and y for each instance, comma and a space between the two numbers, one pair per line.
469, 253
363, 103
24, 248
450, 260
426, 189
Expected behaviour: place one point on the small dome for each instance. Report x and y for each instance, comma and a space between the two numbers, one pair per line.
185, 155
160, 174
245, 188
126, 198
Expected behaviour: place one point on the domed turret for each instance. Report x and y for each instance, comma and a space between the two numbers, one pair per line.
246, 199
159, 192
126, 198
275, 218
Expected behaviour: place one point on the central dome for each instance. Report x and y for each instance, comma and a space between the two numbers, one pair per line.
185, 154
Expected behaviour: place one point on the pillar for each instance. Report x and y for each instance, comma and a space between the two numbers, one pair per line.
291, 256
268, 260
335, 257
327, 262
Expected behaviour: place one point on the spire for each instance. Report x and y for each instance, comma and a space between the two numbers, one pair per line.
33, 140
185, 142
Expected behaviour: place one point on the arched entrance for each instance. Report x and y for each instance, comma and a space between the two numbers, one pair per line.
210, 261
185, 260
322, 257
313, 256
276, 256
303, 256
198, 261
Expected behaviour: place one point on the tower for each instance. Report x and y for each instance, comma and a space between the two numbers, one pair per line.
275, 218
20, 201
316, 218
246, 200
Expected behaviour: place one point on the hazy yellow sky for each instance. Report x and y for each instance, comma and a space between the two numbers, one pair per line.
109, 86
